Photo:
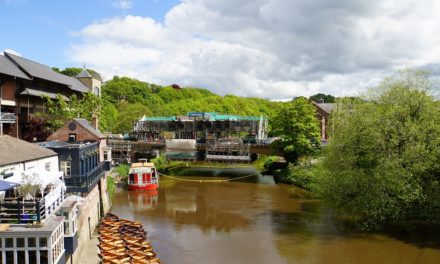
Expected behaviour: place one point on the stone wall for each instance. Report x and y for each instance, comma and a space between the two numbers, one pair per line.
89, 217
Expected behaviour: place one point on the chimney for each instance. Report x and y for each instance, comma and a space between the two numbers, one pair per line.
95, 121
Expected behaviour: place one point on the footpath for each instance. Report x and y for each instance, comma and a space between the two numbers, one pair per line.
90, 255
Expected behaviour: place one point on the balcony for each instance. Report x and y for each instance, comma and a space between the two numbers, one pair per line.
84, 184
18, 211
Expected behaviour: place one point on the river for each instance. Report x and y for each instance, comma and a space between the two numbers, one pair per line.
253, 220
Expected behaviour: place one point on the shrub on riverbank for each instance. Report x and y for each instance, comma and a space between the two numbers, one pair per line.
381, 163
301, 174
122, 170
162, 164
111, 187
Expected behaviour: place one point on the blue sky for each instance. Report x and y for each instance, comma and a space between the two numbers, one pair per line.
41, 30
275, 49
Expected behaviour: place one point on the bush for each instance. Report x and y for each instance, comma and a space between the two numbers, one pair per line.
301, 174
381, 163
111, 187
122, 170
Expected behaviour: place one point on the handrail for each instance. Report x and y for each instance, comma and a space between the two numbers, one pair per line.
88, 180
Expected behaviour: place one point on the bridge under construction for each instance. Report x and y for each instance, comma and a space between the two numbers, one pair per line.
196, 136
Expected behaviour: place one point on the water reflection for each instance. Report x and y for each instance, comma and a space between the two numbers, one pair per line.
141, 201
251, 222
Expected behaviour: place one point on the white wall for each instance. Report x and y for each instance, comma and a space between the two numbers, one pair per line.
39, 164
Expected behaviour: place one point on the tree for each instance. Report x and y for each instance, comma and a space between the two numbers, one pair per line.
381, 164
59, 111
298, 128
322, 98
128, 115
73, 71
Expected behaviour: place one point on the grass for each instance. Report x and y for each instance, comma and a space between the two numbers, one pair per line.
111, 187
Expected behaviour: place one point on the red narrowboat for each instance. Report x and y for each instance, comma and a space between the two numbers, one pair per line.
143, 177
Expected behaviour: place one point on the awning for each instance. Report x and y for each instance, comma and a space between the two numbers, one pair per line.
7, 118
32, 92
40, 177
5, 185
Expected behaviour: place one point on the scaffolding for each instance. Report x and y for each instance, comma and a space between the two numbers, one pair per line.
228, 150
200, 126
121, 150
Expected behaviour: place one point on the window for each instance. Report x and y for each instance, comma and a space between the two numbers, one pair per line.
47, 166
82, 167
43, 242
96, 91
20, 242
21, 259
9, 242
65, 167
66, 228
9, 256
72, 137
44, 257
32, 256
31, 242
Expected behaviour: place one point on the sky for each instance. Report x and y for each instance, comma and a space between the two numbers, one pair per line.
274, 49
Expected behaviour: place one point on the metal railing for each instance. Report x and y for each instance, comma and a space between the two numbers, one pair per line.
18, 211
79, 183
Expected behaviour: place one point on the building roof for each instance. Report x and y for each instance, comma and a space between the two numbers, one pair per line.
35, 69
84, 123
84, 74
9, 68
38, 93
326, 107
56, 144
16, 151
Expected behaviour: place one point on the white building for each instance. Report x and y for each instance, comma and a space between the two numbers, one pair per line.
17, 156
30, 229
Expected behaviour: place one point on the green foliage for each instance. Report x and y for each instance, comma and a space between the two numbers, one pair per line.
111, 187
298, 128
122, 170
127, 116
301, 174
381, 163
133, 98
29, 185
163, 164
72, 72
328, 98
60, 111
269, 162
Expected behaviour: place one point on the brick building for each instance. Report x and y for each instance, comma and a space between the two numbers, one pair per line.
23, 84
323, 111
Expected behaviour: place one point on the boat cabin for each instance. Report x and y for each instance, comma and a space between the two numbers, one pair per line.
143, 176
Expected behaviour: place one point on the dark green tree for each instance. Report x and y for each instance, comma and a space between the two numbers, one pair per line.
326, 98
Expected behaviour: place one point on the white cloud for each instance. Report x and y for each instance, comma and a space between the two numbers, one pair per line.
267, 48
123, 4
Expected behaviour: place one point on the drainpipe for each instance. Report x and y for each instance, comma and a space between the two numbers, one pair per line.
90, 232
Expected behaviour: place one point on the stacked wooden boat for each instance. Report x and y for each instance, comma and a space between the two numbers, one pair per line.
124, 241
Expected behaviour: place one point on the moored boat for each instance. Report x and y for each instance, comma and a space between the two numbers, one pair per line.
143, 177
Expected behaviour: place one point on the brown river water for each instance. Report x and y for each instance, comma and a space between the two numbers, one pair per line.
256, 221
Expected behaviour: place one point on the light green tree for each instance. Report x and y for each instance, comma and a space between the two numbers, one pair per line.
381, 164
59, 110
298, 128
